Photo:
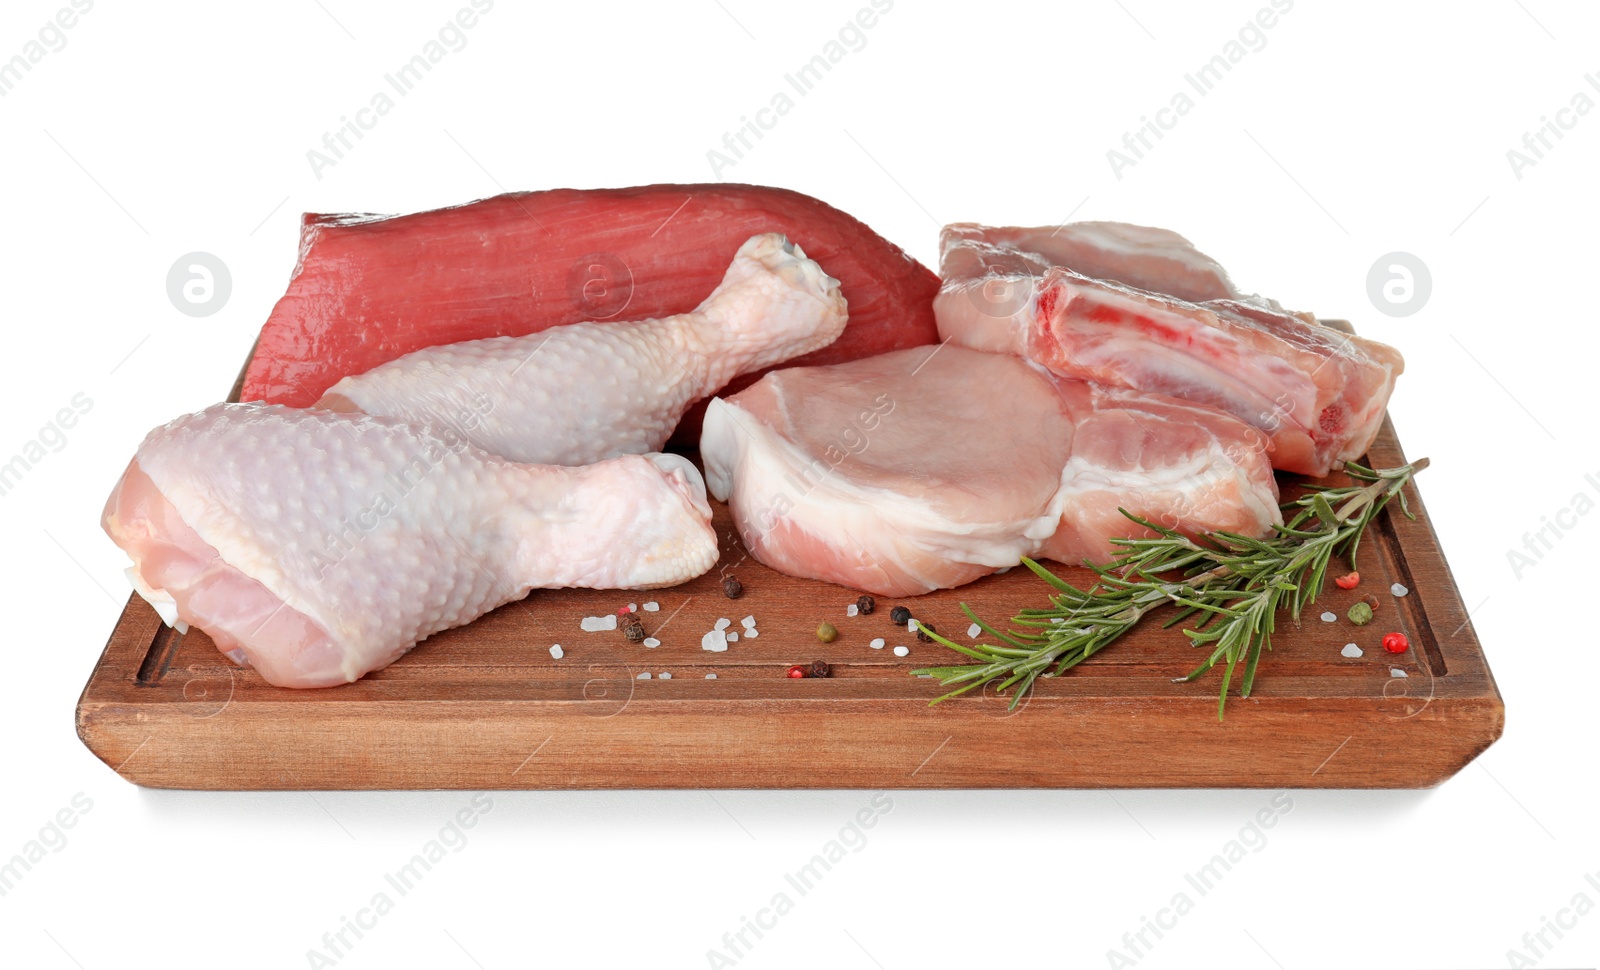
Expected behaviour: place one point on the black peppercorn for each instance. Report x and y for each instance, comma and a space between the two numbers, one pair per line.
820, 668
732, 588
900, 615
632, 628
865, 605
923, 634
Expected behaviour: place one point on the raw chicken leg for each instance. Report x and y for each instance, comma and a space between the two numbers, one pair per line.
1318, 394
588, 391
318, 547
904, 473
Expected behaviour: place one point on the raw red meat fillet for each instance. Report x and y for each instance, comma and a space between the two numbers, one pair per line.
368, 289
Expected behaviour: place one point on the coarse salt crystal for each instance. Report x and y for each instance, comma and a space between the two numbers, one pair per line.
901, 651
974, 630
633, 607
1330, 617
1351, 650
652, 642
716, 641
590, 624
724, 623
666, 675
733, 638
1397, 672
750, 633
911, 625
557, 652
852, 610
652, 607
748, 622
1398, 590
643, 676
711, 676
877, 643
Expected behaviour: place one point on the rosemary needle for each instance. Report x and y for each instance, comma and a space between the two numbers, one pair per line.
1231, 587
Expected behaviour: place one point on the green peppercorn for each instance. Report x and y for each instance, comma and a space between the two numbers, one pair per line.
826, 633
1360, 614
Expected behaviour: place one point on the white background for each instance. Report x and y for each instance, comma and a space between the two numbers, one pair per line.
1359, 129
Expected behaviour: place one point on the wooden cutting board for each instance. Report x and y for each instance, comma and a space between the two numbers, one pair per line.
486, 706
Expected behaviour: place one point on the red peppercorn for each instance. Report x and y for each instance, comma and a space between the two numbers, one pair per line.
796, 672
1396, 642
1348, 581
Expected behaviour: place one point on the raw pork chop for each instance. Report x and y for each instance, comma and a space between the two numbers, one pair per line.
906, 472
368, 289
1137, 256
317, 546
585, 392
1318, 394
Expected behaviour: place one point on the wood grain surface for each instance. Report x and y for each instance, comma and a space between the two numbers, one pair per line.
485, 706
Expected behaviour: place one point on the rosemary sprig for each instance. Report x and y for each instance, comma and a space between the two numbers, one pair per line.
1235, 585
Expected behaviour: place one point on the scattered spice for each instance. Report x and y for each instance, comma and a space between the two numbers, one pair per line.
826, 633
797, 672
865, 605
732, 588
1360, 614
923, 630
900, 615
1351, 650
1396, 642
820, 668
1348, 581
633, 629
